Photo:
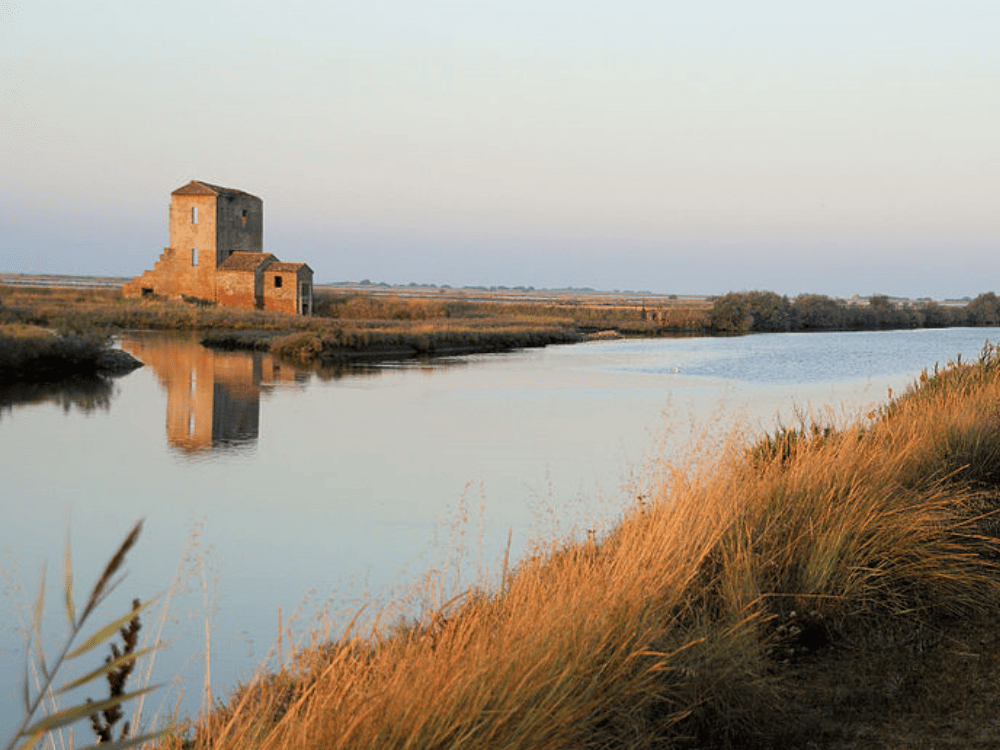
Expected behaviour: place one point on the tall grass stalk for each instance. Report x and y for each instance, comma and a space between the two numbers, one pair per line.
34, 727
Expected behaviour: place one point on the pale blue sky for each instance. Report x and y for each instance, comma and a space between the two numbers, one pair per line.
841, 148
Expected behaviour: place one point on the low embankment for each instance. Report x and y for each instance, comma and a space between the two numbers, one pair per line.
343, 345
782, 594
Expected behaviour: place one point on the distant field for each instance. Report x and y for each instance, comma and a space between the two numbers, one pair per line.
82, 282
471, 294
443, 292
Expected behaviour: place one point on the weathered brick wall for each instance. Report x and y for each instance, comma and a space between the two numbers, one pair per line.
280, 298
287, 297
186, 236
185, 233
237, 288
239, 223
173, 276
179, 276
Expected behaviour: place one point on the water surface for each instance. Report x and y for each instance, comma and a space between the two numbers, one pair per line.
271, 487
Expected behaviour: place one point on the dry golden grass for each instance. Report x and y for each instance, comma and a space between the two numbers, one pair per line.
677, 626
580, 644
25, 332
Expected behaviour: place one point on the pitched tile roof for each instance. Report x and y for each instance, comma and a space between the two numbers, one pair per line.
240, 261
283, 267
197, 187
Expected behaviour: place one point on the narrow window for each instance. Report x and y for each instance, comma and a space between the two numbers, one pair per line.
194, 214
194, 256
244, 217
277, 282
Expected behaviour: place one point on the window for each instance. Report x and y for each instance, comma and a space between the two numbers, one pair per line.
194, 256
194, 214
244, 217
277, 282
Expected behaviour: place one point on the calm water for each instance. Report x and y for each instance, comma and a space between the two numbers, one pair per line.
264, 487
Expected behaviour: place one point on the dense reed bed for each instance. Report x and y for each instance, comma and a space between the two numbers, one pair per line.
653, 317
689, 622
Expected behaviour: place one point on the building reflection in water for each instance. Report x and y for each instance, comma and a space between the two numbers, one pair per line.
213, 398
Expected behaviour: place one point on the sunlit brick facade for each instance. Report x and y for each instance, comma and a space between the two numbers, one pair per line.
216, 255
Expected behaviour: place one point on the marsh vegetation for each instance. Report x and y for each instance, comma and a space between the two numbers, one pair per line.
355, 325
361, 324
37, 354
768, 312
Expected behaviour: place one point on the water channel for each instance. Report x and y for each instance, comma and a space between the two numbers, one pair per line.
265, 487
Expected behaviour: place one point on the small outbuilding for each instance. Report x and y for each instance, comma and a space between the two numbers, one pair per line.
288, 287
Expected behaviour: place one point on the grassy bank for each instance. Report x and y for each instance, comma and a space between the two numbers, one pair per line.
714, 613
337, 344
38, 355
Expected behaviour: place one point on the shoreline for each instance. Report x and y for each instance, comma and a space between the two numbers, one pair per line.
308, 348
369, 324
41, 357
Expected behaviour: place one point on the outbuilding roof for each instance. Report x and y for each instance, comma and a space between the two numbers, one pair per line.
284, 267
240, 261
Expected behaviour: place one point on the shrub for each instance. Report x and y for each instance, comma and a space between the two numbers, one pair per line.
751, 312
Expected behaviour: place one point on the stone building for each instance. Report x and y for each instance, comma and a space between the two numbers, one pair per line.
216, 254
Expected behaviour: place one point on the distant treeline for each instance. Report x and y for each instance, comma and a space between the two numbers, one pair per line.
760, 311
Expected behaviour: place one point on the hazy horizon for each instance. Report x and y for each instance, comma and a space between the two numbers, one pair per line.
676, 148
